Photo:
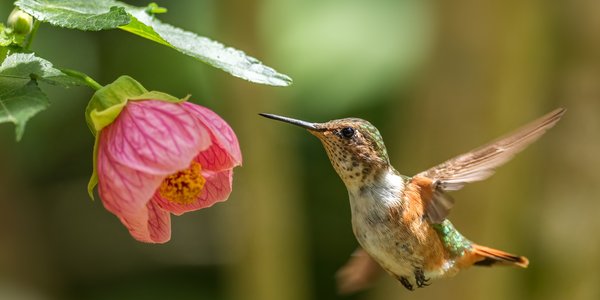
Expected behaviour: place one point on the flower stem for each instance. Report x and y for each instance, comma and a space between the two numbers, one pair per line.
29, 40
85, 78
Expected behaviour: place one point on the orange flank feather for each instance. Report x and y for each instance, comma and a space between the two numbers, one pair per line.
419, 193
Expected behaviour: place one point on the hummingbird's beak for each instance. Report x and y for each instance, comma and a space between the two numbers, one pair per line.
304, 124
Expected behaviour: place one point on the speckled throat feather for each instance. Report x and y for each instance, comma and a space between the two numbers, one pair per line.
358, 159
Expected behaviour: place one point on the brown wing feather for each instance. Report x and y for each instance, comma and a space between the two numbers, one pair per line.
480, 163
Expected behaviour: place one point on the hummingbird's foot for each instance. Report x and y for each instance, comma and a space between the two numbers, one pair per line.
406, 283
420, 278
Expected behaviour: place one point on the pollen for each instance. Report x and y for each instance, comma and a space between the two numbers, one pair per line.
183, 187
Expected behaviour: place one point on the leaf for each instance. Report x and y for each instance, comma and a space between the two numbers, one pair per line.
20, 96
231, 60
19, 68
77, 14
18, 105
108, 14
8, 37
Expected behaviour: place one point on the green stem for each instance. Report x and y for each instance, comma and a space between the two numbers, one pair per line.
87, 79
29, 40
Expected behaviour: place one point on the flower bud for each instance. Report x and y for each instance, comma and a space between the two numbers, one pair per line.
20, 21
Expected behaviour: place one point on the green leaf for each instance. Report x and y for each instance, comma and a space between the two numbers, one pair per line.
19, 104
20, 97
108, 14
77, 14
231, 60
8, 37
19, 68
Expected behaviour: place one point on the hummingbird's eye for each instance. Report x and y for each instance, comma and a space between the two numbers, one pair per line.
347, 132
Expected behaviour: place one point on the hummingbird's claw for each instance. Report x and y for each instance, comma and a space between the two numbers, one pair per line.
420, 278
406, 283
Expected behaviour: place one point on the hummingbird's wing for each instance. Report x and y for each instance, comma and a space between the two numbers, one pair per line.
358, 273
480, 163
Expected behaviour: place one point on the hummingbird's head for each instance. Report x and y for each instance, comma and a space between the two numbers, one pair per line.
354, 146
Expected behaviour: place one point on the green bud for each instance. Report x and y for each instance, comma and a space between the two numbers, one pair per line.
20, 22
153, 8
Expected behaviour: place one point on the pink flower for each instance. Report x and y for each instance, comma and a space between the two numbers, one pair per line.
158, 158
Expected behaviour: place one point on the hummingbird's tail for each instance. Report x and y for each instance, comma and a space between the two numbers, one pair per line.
484, 256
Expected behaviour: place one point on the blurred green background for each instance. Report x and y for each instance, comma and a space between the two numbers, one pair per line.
436, 77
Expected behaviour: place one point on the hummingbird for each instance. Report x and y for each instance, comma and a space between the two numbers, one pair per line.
400, 222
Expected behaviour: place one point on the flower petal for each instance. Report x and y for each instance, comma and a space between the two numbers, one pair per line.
222, 133
152, 225
215, 159
126, 193
155, 137
159, 223
216, 189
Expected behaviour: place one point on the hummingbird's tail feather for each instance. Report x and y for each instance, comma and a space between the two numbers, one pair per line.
485, 256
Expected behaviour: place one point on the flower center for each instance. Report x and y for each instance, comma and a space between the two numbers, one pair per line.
185, 186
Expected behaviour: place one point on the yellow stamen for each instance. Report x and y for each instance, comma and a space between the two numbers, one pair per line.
185, 186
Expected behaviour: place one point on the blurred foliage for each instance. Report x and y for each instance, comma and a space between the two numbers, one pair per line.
436, 78
346, 53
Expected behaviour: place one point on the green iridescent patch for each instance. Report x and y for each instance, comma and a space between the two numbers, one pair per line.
451, 238
376, 137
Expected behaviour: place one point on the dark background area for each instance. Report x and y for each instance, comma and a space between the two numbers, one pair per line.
437, 78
